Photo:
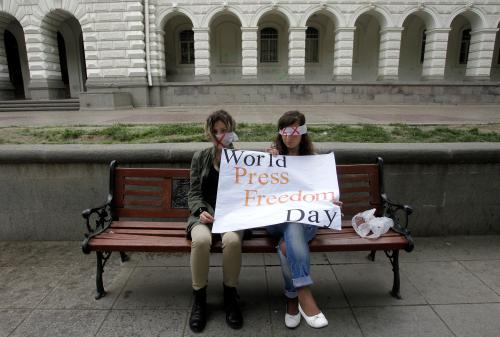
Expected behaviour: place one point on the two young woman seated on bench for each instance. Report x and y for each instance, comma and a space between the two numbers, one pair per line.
293, 249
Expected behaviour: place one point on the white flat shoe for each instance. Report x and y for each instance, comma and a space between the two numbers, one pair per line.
292, 321
316, 321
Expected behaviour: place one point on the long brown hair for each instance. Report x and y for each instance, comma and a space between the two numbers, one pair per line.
290, 117
214, 117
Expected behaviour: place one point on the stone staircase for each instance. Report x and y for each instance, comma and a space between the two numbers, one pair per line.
69, 104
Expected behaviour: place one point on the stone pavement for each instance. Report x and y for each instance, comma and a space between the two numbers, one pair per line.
349, 114
450, 287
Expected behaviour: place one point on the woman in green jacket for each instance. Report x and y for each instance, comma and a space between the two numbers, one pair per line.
219, 128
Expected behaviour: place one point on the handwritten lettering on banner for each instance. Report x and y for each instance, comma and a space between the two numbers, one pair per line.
257, 189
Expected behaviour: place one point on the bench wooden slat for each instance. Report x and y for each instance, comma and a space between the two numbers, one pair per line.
149, 224
152, 213
143, 182
156, 193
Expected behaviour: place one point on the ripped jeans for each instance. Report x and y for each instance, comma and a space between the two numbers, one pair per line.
295, 266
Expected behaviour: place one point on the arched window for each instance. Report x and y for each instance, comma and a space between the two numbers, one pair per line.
186, 39
312, 45
464, 47
422, 47
268, 45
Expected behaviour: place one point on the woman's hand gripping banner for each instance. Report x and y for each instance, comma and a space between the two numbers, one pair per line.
257, 189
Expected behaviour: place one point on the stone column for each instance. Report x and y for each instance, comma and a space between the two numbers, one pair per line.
436, 44
43, 61
296, 53
343, 53
201, 54
482, 45
249, 52
388, 60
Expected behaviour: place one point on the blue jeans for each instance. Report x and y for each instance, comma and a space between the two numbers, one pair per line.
295, 266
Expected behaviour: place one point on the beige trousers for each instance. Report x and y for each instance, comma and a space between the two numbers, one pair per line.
200, 256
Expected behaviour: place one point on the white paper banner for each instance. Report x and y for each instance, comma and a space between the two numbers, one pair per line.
257, 189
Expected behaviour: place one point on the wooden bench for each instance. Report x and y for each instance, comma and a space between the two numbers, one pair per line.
146, 211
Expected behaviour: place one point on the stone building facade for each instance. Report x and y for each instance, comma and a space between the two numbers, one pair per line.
153, 52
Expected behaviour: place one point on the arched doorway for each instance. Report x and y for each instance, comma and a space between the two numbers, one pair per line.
13, 59
411, 57
366, 48
225, 48
272, 47
64, 31
179, 49
319, 47
14, 64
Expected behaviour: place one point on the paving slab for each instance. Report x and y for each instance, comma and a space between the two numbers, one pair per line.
486, 271
25, 287
410, 321
370, 284
10, 319
447, 283
156, 288
471, 320
428, 249
480, 247
143, 323
77, 288
67, 323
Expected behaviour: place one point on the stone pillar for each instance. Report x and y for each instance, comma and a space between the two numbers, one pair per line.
43, 61
343, 53
115, 53
202, 54
482, 46
436, 44
296, 53
249, 57
388, 60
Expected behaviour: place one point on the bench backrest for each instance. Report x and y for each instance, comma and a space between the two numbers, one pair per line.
162, 192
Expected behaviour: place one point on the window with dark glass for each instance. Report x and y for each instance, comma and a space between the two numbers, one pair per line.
464, 47
186, 38
268, 45
312, 45
422, 48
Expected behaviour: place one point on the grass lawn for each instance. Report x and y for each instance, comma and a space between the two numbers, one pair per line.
182, 132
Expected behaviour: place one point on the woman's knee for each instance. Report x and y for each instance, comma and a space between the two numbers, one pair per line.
201, 238
231, 240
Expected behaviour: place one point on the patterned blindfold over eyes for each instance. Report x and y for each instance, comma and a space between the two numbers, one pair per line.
294, 131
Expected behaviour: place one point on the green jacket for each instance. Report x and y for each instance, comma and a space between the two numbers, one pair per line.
200, 167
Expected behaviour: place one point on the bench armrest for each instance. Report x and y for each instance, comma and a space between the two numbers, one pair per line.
399, 213
97, 220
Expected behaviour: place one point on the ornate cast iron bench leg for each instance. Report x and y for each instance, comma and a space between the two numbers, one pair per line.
371, 256
393, 256
102, 257
124, 257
